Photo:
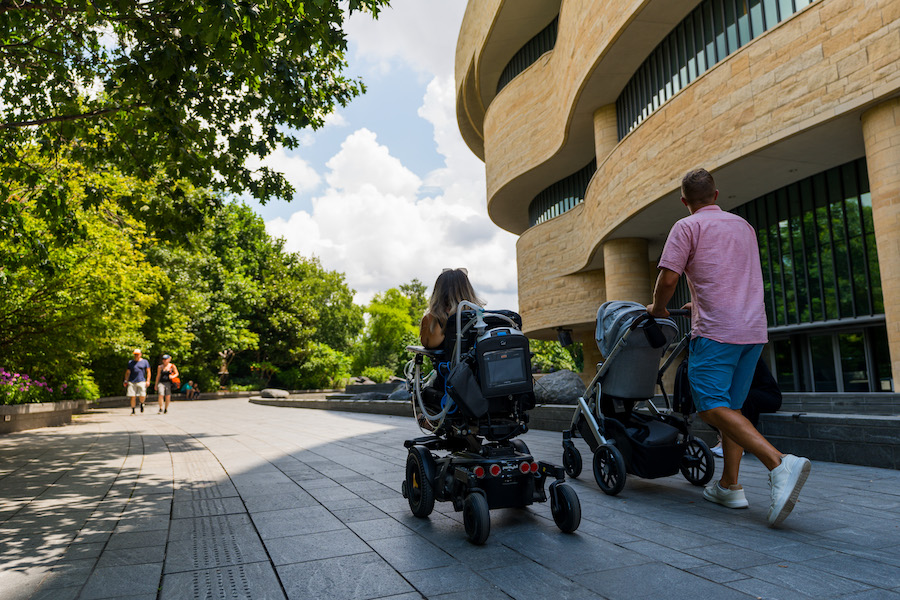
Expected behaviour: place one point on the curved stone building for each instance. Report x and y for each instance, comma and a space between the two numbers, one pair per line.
588, 112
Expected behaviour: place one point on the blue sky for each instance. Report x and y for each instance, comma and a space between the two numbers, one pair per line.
387, 190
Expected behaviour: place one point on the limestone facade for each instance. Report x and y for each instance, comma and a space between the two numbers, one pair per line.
817, 90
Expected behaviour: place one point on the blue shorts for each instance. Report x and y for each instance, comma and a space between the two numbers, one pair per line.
720, 374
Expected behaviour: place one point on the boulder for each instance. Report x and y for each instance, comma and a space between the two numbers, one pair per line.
401, 393
274, 393
559, 387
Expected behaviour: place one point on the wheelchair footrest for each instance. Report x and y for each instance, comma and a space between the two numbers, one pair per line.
421, 441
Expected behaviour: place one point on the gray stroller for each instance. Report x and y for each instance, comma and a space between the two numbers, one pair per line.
617, 418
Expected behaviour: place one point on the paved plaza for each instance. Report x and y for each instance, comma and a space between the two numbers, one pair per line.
227, 499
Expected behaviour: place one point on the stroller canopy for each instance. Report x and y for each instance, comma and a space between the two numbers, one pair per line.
613, 320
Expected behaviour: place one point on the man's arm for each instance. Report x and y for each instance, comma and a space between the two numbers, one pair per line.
127, 373
663, 292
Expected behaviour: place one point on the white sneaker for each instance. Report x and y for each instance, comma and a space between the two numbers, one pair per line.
731, 497
786, 480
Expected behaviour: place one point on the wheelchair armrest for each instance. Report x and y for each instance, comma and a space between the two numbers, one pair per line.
429, 352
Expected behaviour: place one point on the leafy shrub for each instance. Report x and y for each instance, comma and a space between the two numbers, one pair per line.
320, 367
549, 356
378, 374
20, 388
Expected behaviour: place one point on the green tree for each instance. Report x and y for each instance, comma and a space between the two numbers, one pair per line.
389, 330
62, 304
166, 90
415, 290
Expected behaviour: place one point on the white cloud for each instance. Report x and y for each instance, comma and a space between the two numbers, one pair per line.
371, 225
376, 220
420, 33
363, 162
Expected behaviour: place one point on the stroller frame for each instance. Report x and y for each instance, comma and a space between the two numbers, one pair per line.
481, 466
589, 422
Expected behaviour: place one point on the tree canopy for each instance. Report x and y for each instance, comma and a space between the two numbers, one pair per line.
165, 90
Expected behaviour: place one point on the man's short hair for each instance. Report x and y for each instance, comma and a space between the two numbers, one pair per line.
698, 187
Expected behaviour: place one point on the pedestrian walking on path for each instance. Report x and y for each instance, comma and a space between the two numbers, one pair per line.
718, 252
137, 375
167, 377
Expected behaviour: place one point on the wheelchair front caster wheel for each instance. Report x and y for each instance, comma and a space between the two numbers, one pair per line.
609, 469
565, 508
417, 488
698, 464
477, 518
572, 461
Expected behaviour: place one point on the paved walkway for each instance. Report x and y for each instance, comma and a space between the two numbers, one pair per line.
225, 499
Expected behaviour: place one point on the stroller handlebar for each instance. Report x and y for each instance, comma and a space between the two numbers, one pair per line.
679, 312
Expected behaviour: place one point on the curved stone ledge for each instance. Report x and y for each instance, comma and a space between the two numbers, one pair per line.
19, 417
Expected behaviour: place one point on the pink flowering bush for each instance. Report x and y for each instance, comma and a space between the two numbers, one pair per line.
19, 388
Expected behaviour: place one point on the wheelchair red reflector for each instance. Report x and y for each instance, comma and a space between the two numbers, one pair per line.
534, 467
479, 472
525, 467
495, 470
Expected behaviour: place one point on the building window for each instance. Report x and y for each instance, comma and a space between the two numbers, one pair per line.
822, 284
562, 196
543, 42
715, 29
817, 247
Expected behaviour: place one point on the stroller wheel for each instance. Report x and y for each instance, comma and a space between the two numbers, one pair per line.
418, 488
698, 464
609, 469
476, 518
572, 461
566, 508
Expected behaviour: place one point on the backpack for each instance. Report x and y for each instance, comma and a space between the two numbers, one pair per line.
682, 398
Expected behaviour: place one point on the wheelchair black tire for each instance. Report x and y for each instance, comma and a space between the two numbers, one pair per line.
476, 518
520, 446
565, 508
609, 469
698, 464
572, 461
419, 490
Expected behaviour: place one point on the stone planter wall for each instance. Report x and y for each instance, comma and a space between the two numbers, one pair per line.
19, 417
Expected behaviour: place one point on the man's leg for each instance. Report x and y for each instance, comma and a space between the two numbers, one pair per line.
738, 434
133, 399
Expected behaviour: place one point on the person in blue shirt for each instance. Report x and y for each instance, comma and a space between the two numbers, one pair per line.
137, 374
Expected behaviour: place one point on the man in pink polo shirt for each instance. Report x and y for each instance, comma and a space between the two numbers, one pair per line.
718, 252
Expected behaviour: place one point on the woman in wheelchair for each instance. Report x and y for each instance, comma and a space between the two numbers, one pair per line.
451, 288
473, 405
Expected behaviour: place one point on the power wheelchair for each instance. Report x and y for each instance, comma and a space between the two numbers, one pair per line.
474, 402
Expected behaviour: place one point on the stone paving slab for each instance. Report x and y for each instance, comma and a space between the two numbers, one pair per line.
228, 499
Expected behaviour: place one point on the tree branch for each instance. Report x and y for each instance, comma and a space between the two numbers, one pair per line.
88, 115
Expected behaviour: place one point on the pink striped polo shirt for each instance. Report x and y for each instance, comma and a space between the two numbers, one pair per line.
718, 252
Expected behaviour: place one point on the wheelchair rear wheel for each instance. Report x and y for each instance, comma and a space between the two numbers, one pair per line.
609, 469
698, 464
476, 518
572, 461
565, 508
520, 446
419, 491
